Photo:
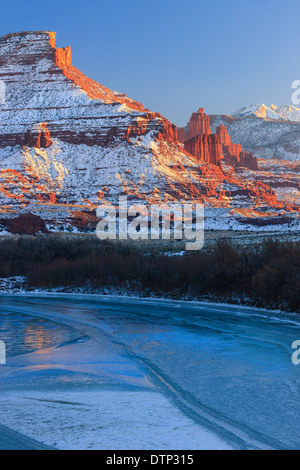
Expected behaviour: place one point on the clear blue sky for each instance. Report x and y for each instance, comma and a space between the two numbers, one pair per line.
175, 56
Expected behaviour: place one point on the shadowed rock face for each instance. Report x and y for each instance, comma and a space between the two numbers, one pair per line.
27, 224
39, 137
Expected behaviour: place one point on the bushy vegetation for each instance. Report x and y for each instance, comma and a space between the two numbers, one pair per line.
267, 274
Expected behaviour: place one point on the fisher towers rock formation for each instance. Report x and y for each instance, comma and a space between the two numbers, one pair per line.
233, 153
211, 148
199, 141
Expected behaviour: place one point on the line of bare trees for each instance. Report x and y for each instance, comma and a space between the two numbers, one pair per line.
266, 274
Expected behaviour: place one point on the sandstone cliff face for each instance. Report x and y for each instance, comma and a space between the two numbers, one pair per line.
224, 137
199, 124
233, 153
205, 148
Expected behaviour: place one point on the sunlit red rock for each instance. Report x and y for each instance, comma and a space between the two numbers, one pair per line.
205, 148
62, 56
233, 153
199, 124
199, 141
224, 137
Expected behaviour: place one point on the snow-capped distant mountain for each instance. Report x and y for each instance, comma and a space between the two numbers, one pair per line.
289, 113
268, 132
285, 112
256, 110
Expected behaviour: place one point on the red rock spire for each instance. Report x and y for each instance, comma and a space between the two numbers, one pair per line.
199, 124
233, 153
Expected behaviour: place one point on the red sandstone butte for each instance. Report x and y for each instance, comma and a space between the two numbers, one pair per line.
199, 141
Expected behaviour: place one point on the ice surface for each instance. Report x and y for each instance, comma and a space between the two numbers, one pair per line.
186, 369
87, 394
105, 419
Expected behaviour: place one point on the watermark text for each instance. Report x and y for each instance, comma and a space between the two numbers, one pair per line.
156, 221
2, 353
296, 94
296, 354
2, 92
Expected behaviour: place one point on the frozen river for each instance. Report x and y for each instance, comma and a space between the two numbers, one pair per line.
117, 373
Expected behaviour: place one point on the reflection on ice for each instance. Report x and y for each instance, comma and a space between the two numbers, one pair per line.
23, 333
